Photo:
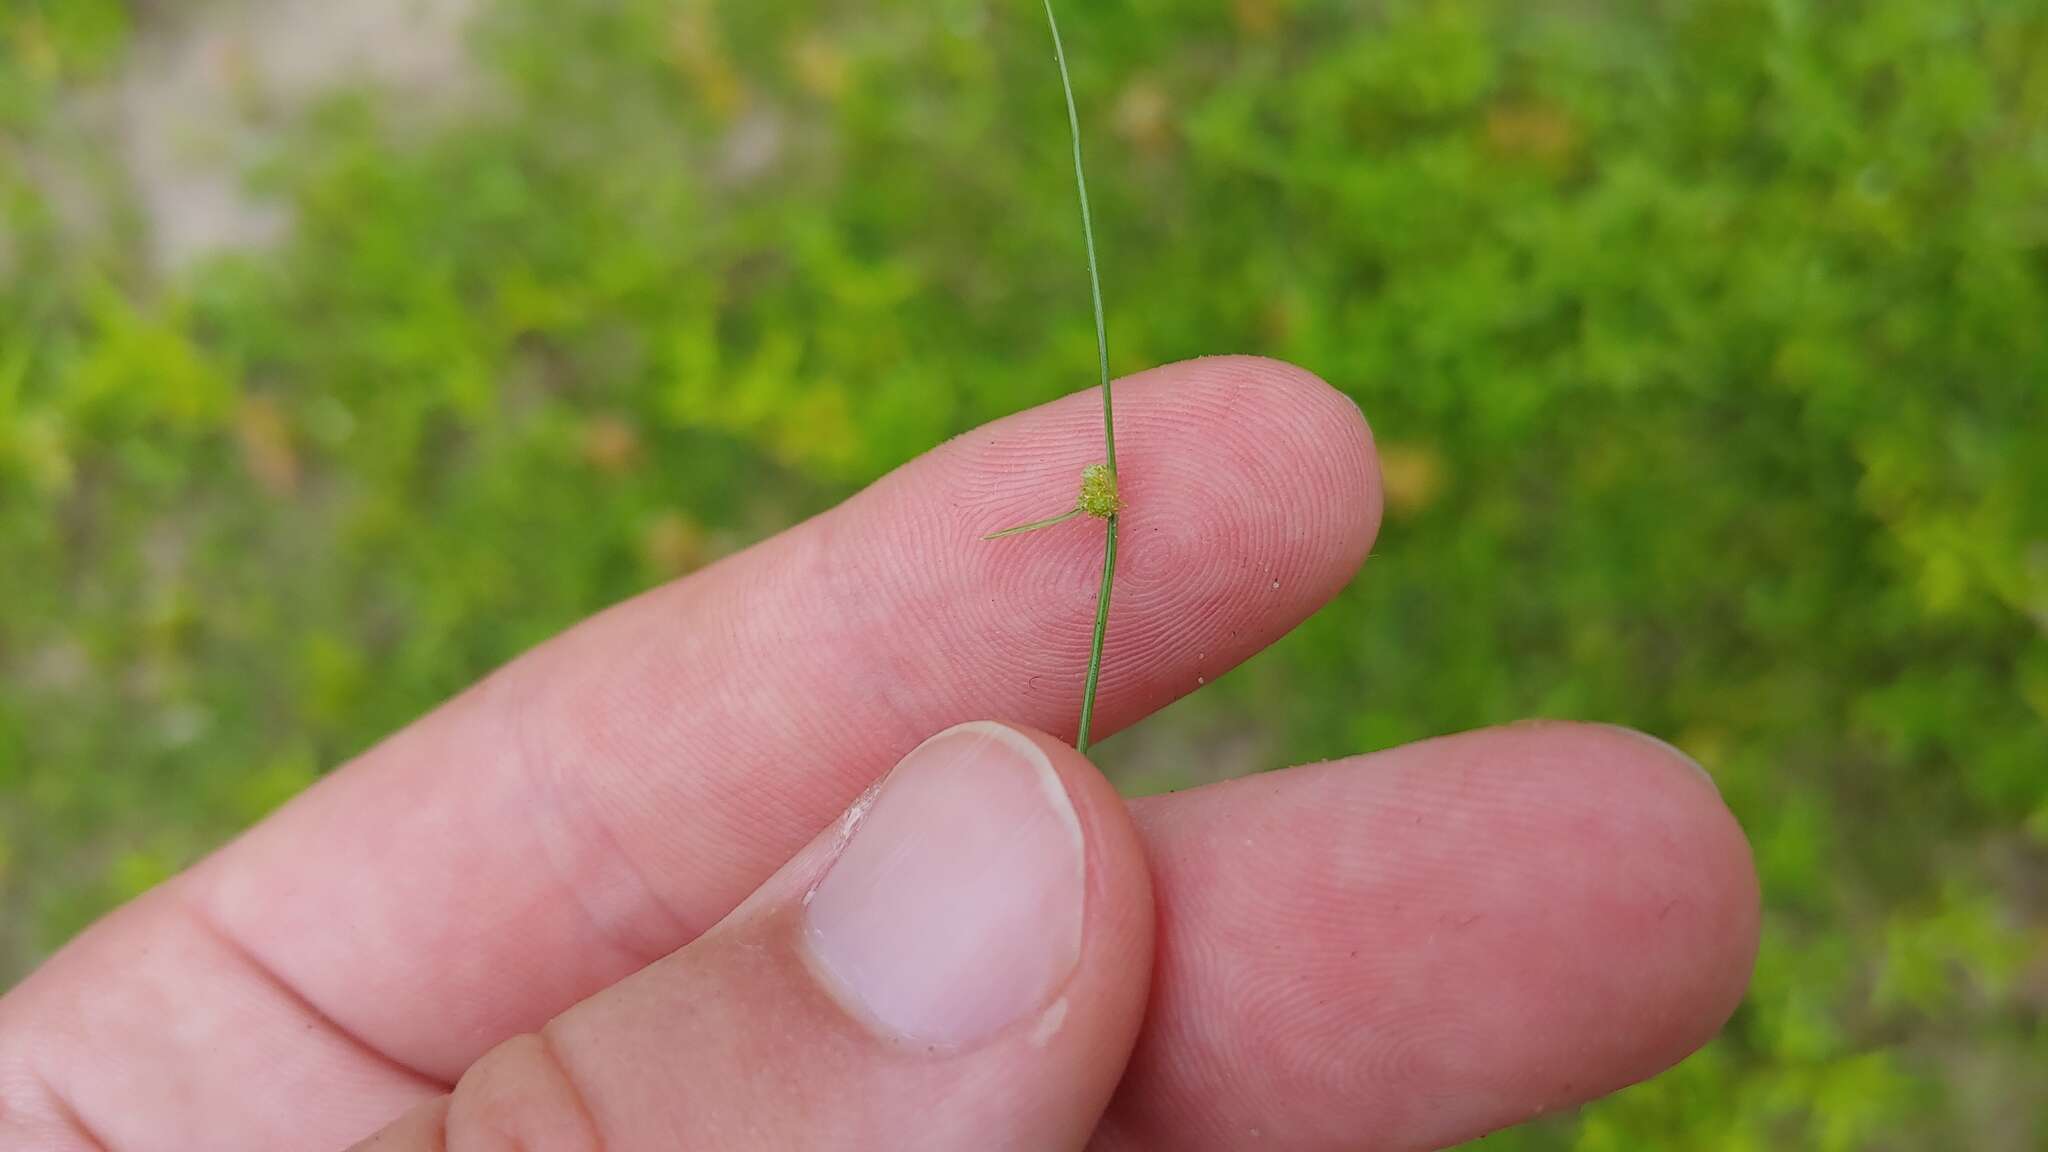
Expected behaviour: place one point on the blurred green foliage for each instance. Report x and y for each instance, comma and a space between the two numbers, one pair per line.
48, 45
1706, 340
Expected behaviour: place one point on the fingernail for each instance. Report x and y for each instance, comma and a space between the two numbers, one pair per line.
955, 909
1674, 749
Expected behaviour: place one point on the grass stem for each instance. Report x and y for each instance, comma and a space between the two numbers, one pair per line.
1088, 689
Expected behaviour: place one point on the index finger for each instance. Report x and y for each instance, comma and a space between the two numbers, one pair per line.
605, 798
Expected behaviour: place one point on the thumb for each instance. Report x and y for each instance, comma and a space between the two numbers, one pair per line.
960, 962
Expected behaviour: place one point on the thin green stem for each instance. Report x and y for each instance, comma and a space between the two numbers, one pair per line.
1101, 630
1035, 525
1108, 415
1059, 53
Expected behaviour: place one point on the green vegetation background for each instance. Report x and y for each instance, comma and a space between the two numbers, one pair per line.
1707, 341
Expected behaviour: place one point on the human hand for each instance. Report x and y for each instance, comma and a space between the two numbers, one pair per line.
540, 893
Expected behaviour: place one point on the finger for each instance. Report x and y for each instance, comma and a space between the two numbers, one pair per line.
1414, 948
603, 799
621, 789
1402, 949
961, 964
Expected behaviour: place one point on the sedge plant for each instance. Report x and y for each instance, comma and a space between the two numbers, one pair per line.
1098, 498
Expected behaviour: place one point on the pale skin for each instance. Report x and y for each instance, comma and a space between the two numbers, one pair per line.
528, 896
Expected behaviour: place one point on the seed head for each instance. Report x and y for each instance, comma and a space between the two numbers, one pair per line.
1098, 492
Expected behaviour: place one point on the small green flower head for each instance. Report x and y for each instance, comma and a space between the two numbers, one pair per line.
1098, 492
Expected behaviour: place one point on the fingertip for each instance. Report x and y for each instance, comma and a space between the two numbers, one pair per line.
955, 905
1437, 940
1019, 797
1254, 499
1251, 496
1649, 853
1714, 915
1116, 957
966, 951
1320, 442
